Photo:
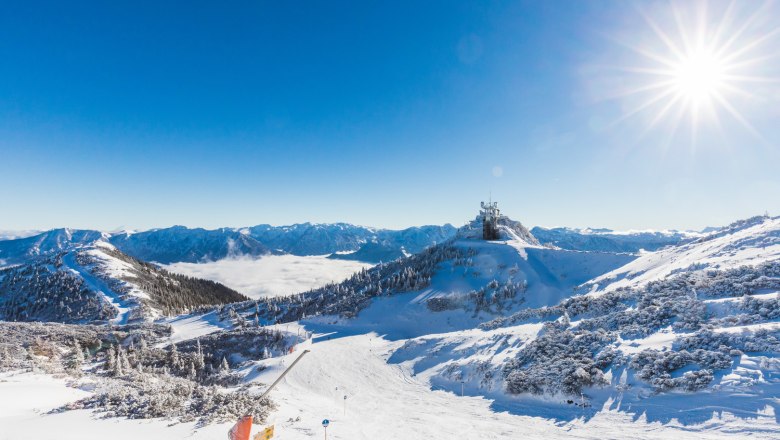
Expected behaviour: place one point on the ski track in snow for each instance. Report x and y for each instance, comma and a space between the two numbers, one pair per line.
100, 286
384, 401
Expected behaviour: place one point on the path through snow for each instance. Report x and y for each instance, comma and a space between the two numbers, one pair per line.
100, 286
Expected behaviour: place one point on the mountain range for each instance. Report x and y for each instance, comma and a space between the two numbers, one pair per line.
182, 244
339, 240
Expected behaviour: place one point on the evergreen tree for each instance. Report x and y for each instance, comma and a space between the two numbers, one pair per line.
173, 357
118, 364
110, 363
76, 358
192, 374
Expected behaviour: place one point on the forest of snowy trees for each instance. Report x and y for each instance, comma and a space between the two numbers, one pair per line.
349, 297
45, 290
566, 358
168, 292
42, 292
136, 378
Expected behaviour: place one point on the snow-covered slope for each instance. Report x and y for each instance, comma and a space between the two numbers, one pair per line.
606, 240
748, 242
467, 280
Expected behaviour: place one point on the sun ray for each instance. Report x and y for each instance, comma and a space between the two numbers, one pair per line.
753, 61
641, 107
754, 43
753, 79
729, 108
738, 91
735, 36
662, 35
723, 23
660, 115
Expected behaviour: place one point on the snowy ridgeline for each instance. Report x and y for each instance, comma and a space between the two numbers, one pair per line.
130, 376
100, 283
605, 240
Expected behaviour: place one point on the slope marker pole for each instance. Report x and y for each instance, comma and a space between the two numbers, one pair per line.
284, 373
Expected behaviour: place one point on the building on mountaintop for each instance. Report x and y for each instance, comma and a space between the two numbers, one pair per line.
490, 215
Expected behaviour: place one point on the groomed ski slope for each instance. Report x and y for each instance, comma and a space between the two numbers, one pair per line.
384, 401
387, 401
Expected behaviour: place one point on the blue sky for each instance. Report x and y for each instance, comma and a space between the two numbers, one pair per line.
149, 114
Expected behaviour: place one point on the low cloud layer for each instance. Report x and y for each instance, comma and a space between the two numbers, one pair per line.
271, 275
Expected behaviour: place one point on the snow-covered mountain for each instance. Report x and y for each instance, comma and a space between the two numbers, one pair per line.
98, 283
353, 242
182, 244
192, 245
607, 240
505, 319
470, 280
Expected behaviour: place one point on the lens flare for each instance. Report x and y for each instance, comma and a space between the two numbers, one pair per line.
696, 67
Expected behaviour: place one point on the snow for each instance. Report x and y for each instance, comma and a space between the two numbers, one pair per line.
96, 284
385, 400
25, 399
661, 341
272, 275
194, 326
389, 401
758, 241
116, 268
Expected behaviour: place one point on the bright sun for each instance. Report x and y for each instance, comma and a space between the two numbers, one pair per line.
695, 68
699, 76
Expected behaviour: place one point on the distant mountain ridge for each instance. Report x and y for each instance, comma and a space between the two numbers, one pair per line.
192, 245
607, 240
340, 240
182, 244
